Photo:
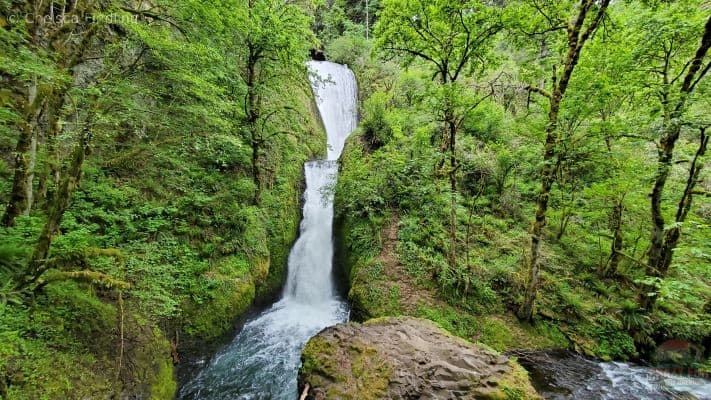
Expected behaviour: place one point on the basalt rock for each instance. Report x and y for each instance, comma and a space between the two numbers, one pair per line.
406, 358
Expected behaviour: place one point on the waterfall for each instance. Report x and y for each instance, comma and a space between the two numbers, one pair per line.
310, 260
263, 359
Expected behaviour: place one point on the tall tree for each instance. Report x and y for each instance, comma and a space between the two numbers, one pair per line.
42, 55
276, 42
579, 28
677, 78
120, 72
453, 38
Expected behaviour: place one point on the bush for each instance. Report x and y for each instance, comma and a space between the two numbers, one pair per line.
376, 130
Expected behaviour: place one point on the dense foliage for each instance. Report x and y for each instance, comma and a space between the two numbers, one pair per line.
574, 195
151, 175
527, 173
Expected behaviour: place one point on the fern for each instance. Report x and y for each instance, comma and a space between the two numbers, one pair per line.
12, 259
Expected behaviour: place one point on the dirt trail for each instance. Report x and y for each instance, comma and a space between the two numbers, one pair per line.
411, 293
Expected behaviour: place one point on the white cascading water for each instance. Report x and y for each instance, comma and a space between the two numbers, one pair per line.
636, 382
263, 359
564, 375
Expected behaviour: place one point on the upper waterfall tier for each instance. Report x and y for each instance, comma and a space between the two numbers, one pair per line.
336, 93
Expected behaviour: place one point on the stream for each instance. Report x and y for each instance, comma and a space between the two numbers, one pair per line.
263, 359
560, 374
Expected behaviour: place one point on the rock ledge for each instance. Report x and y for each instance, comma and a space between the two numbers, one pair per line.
406, 358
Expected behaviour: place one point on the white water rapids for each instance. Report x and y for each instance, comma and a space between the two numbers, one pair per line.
263, 359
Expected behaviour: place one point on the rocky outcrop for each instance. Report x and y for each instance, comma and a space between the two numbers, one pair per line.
406, 358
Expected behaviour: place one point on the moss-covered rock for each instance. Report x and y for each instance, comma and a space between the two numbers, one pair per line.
233, 281
215, 317
356, 371
404, 358
148, 369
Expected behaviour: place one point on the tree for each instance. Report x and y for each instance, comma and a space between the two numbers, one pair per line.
125, 64
276, 42
38, 71
453, 38
676, 80
585, 20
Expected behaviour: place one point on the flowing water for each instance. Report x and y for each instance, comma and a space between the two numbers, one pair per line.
560, 375
263, 359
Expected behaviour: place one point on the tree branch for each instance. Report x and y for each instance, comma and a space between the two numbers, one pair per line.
542, 92
157, 17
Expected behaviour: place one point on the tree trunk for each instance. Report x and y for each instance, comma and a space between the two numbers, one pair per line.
660, 259
252, 114
453, 192
657, 251
617, 240
663, 243
49, 177
576, 40
60, 202
547, 177
694, 172
564, 220
18, 197
256, 173
29, 184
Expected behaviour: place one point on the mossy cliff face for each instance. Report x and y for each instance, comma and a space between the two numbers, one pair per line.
404, 358
231, 297
240, 279
194, 248
283, 202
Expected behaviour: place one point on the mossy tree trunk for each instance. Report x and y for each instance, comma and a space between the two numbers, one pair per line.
252, 112
49, 174
577, 36
20, 194
38, 263
450, 149
613, 263
59, 38
663, 240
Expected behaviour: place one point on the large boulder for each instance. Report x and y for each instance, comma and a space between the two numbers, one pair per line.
406, 358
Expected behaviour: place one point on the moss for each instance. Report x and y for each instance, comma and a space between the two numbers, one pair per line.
371, 295
215, 317
504, 332
356, 372
37, 371
260, 268
371, 374
165, 386
516, 385
318, 358
599, 341
150, 371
